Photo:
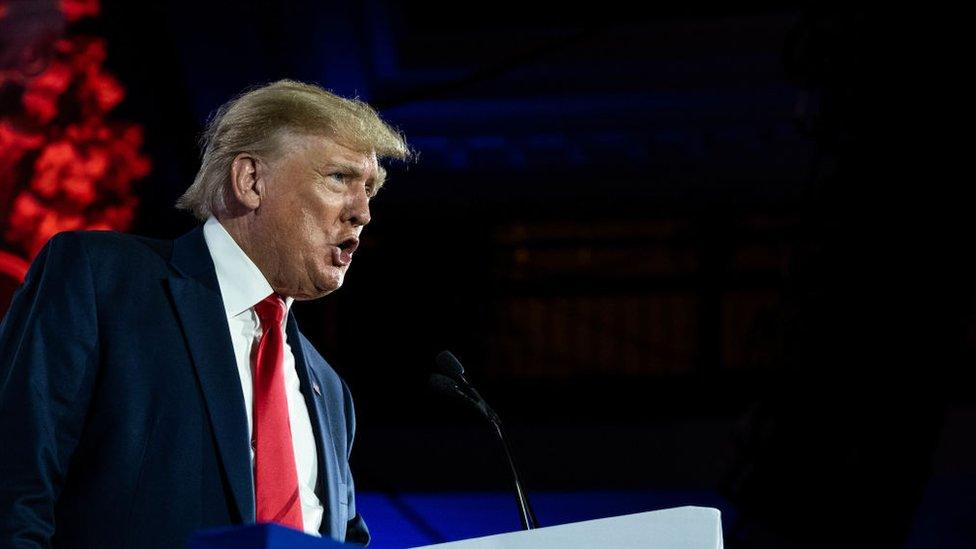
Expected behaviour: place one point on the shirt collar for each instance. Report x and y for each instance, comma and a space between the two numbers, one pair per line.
242, 284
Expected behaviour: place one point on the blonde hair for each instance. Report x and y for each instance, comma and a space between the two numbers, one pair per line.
255, 122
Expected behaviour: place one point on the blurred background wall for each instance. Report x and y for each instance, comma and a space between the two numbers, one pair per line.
693, 253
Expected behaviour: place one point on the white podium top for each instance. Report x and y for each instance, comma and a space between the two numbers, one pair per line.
678, 528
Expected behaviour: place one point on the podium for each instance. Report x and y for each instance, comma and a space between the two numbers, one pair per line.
261, 536
678, 528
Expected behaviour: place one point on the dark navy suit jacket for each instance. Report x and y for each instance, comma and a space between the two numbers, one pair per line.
122, 422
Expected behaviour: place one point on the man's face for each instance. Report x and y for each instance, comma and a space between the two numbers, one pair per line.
315, 205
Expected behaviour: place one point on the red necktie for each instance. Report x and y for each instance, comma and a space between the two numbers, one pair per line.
275, 476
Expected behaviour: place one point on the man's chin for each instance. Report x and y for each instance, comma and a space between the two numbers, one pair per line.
326, 283
330, 281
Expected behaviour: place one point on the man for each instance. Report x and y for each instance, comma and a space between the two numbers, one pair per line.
134, 372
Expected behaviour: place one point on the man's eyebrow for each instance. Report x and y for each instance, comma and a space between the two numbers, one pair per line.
352, 168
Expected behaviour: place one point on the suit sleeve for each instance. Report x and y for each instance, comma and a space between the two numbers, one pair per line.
356, 530
48, 356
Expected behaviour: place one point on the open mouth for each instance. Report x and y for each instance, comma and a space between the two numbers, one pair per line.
349, 245
342, 254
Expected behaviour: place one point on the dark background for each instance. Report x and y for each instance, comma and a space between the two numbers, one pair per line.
706, 248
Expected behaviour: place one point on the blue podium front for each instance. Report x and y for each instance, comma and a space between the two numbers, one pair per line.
261, 536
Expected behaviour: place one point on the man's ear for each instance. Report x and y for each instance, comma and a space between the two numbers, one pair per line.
244, 189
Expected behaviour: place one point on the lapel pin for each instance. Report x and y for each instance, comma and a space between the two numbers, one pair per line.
315, 387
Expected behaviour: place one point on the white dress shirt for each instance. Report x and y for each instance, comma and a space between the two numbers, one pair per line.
242, 285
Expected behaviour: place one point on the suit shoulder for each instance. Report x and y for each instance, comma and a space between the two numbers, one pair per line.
114, 241
115, 247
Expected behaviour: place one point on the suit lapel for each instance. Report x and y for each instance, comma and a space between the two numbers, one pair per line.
199, 306
319, 415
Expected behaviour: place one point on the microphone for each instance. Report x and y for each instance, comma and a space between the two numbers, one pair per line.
451, 381
449, 365
443, 384
451, 368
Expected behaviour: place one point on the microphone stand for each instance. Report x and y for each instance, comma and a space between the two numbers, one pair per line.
457, 386
526, 513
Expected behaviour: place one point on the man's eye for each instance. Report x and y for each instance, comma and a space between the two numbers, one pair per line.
338, 176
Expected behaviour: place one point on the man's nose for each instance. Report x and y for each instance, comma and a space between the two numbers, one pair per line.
358, 208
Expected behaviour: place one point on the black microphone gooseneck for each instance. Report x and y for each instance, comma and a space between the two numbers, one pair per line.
451, 381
